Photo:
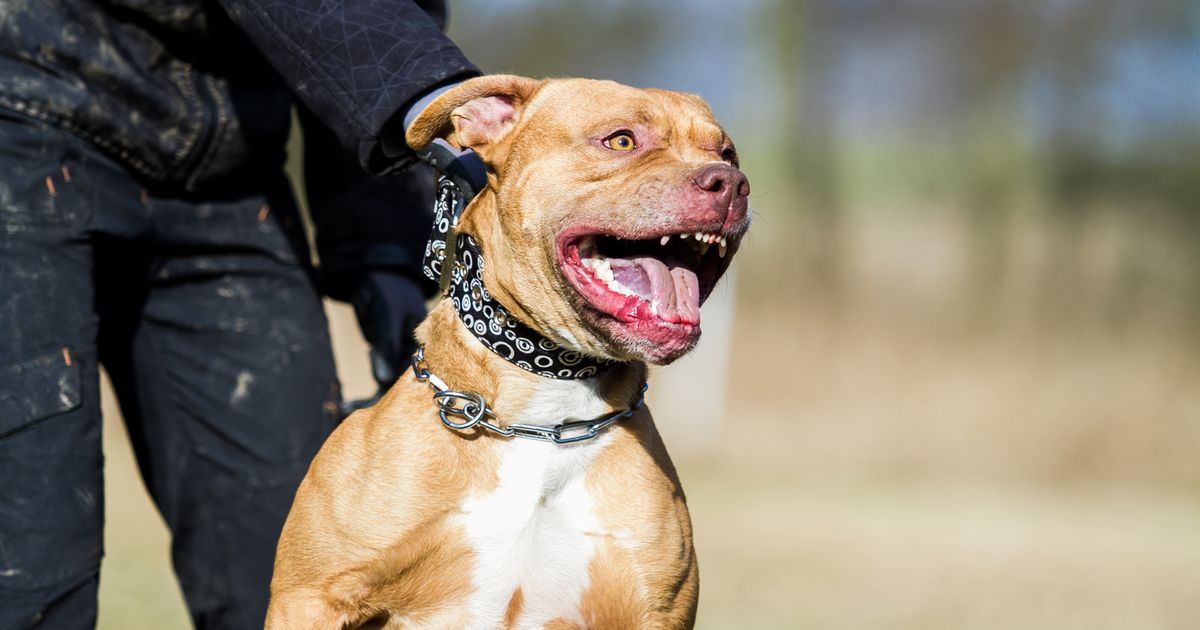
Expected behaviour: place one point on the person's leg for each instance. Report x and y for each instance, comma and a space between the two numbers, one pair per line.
232, 391
51, 485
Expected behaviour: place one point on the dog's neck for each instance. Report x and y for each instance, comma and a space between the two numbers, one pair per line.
515, 395
456, 261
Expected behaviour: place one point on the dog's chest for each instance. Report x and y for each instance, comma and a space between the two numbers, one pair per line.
534, 532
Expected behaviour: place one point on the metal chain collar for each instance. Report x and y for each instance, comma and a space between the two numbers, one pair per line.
474, 408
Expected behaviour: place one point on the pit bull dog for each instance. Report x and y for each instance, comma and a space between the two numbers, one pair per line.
608, 216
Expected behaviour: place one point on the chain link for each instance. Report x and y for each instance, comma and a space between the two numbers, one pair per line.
473, 408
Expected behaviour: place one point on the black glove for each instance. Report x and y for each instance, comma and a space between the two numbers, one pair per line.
389, 306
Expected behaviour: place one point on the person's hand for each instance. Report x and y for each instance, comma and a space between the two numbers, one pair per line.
389, 306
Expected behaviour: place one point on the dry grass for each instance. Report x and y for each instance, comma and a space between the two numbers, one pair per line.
898, 461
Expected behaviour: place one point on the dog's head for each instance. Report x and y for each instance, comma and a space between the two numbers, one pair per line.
610, 211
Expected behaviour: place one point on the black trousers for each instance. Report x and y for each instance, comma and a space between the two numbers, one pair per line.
205, 315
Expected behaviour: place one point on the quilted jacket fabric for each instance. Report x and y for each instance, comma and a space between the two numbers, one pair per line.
197, 93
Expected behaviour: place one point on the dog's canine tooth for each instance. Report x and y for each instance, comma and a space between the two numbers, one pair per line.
721, 249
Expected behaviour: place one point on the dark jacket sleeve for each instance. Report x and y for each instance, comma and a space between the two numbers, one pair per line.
355, 64
363, 222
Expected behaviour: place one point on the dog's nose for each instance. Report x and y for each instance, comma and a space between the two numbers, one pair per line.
725, 185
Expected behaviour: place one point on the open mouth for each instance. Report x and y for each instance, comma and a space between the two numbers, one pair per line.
661, 280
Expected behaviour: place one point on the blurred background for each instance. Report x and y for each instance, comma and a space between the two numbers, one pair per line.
954, 379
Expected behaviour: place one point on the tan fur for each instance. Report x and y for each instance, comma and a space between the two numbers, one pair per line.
371, 538
514, 609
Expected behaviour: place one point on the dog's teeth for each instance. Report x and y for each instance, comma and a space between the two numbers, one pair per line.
603, 270
684, 236
606, 273
617, 287
699, 236
703, 248
664, 240
721, 249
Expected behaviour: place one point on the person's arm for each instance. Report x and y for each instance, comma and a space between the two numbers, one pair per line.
362, 221
358, 65
370, 237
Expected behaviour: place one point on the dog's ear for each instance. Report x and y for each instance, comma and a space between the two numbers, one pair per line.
478, 113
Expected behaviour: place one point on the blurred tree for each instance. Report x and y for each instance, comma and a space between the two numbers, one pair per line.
995, 39
805, 64
542, 39
1091, 97
1111, 147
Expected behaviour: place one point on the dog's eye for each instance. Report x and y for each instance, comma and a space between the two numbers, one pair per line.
621, 141
729, 154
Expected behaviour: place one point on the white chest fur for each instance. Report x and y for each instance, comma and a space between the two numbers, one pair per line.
535, 531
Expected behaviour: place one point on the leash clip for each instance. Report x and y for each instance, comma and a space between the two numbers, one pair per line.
461, 176
463, 168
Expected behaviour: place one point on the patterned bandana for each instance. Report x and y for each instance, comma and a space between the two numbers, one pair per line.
491, 323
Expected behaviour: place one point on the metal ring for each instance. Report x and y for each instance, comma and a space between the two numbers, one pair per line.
473, 408
420, 373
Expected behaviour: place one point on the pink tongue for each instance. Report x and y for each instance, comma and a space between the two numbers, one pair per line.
674, 293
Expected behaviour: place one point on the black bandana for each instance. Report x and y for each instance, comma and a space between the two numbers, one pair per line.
490, 322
